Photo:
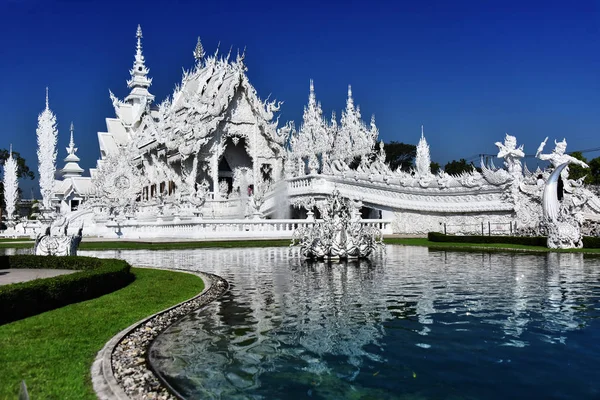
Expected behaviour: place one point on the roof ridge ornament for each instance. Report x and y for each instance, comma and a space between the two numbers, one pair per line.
350, 101
199, 51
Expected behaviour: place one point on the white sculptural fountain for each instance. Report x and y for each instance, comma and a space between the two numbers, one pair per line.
339, 235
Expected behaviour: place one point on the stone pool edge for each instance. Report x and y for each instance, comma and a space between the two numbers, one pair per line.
120, 370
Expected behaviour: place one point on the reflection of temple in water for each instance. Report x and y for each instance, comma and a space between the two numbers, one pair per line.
478, 286
281, 308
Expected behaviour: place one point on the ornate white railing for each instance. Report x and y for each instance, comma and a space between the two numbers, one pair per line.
219, 229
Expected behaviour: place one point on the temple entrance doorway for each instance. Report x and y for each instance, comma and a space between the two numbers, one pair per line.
235, 169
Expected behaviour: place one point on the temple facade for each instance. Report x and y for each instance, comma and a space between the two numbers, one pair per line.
212, 160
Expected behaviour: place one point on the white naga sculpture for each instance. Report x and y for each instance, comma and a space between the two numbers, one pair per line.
340, 235
564, 225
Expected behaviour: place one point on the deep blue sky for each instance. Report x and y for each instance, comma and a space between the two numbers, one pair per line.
468, 70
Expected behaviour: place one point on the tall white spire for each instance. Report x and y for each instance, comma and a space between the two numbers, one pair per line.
71, 167
422, 158
46, 139
139, 82
11, 185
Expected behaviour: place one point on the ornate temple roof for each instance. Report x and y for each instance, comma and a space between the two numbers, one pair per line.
215, 90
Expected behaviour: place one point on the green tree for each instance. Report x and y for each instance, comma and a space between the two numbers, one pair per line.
23, 170
577, 171
435, 167
458, 167
400, 155
594, 171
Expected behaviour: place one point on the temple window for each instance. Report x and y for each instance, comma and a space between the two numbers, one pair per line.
267, 172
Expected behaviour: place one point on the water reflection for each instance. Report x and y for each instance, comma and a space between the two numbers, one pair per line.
426, 323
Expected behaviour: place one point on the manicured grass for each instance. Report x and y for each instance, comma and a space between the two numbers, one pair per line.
15, 240
482, 246
19, 245
118, 245
124, 245
53, 352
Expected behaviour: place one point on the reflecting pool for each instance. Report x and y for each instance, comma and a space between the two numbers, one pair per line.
416, 324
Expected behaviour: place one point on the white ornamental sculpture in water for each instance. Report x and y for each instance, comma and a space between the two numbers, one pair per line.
340, 235
11, 188
46, 152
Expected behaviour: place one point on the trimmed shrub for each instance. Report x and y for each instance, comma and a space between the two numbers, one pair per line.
523, 240
589, 242
96, 278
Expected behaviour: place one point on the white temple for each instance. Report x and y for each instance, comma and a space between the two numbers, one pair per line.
212, 160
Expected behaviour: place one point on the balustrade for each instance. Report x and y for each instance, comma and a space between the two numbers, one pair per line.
221, 229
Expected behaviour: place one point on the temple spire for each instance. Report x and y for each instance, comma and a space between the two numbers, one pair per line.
139, 82
71, 149
47, 102
71, 167
312, 99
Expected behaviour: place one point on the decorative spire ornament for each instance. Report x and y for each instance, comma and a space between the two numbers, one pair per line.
423, 158
199, 51
71, 167
11, 186
139, 82
47, 134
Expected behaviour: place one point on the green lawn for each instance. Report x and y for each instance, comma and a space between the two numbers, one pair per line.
124, 245
119, 245
53, 352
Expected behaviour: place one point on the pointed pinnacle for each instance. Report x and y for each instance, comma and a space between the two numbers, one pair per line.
71, 143
138, 33
47, 103
349, 91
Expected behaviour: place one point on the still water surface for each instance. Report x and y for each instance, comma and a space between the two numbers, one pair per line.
415, 324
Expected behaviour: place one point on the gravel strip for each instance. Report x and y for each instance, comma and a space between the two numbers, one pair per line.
121, 370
